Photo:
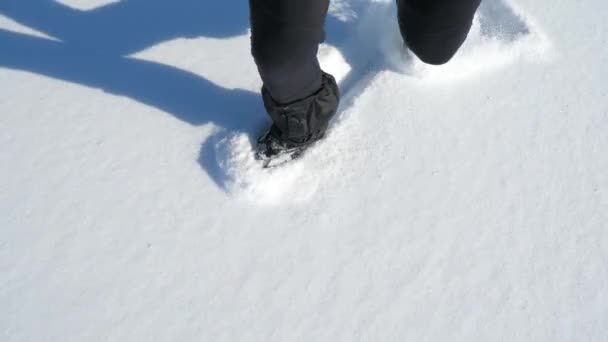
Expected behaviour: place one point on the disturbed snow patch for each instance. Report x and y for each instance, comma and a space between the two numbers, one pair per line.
246, 179
296, 181
501, 35
332, 60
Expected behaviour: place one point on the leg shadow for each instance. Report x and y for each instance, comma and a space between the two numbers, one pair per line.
183, 94
128, 26
93, 47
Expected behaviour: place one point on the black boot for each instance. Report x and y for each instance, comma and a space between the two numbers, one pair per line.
297, 125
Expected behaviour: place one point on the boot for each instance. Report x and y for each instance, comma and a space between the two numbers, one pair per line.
297, 125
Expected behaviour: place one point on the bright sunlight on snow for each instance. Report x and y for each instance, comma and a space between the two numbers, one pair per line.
462, 202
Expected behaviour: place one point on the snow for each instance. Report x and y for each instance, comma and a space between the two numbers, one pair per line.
86, 5
11, 25
462, 202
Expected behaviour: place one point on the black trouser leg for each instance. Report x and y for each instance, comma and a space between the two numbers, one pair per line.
285, 36
435, 29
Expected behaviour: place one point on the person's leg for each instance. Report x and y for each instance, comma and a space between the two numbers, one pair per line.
434, 30
285, 35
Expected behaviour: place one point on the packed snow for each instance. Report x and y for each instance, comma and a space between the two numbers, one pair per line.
462, 202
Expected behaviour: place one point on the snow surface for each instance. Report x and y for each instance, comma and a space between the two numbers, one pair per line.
464, 202
86, 5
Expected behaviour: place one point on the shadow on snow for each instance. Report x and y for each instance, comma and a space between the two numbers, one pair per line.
94, 46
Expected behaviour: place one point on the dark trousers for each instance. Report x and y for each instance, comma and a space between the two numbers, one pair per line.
285, 35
